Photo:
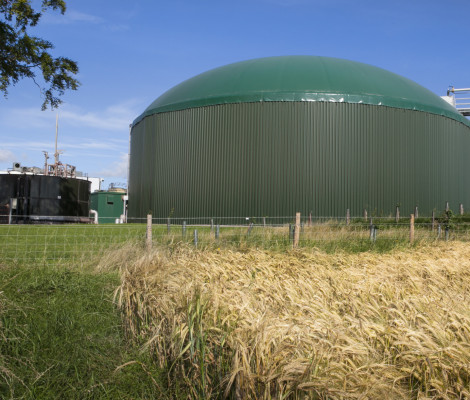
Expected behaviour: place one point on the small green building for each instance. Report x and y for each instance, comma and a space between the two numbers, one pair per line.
110, 205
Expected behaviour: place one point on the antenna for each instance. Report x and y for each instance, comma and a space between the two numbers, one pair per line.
56, 154
46, 168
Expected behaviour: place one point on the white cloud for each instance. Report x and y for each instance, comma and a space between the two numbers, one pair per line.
117, 169
116, 117
293, 3
86, 136
27, 145
107, 121
6, 156
117, 27
71, 16
87, 144
82, 17
77, 17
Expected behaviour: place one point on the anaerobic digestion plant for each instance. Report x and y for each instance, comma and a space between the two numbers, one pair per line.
32, 197
56, 193
272, 136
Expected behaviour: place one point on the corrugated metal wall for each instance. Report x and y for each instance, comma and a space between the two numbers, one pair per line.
273, 159
41, 195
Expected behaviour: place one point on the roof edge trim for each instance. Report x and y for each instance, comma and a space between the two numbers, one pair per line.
370, 99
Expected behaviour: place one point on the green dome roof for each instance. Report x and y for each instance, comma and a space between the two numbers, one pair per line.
301, 78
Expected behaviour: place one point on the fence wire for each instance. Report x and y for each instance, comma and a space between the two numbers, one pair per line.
47, 243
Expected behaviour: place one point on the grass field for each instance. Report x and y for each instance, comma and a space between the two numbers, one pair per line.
88, 312
61, 337
80, 244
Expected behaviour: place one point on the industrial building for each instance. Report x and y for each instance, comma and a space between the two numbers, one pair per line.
28, 198
18, 169
57, 193
273, 136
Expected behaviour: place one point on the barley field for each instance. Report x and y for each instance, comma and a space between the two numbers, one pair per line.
304, 323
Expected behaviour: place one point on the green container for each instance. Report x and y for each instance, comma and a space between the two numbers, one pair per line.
276, 136
109, 205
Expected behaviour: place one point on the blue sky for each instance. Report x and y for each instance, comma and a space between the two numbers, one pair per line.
130, 52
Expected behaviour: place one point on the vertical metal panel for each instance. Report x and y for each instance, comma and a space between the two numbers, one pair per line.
273, 159
42, 196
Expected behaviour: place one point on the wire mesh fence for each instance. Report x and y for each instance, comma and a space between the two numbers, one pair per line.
49, 243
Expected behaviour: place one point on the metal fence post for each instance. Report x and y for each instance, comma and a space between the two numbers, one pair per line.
348, 217
433, 220
183, 229
217, 232
397, 214
461, 209
195, 238
371, 230
168, 226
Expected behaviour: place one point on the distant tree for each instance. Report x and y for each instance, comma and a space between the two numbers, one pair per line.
24, 56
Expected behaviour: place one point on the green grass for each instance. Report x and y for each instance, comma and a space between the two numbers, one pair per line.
60, 333
79, 244
61, 338
63, 243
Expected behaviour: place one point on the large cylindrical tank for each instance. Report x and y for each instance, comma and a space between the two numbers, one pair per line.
40, 198
273, 136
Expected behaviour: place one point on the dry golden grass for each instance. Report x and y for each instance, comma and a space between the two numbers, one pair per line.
303, 324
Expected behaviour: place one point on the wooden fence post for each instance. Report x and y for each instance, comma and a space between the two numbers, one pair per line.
297, 230
310, 219
412, 228
447, 206
365, 215
397, 214
149, 231
348, 217
461, 209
